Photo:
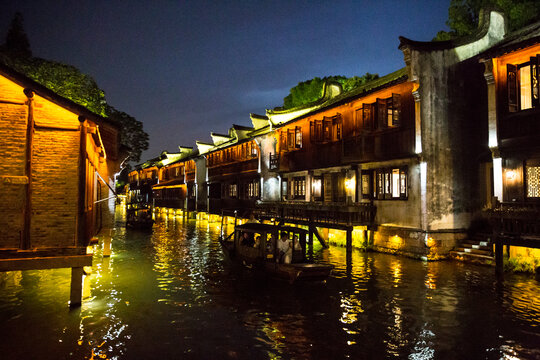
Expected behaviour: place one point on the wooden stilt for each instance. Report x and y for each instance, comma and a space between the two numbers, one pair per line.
498, 256
349, 240
310, 243
319, 237
75, 298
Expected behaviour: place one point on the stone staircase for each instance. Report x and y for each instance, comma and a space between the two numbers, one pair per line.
476, 249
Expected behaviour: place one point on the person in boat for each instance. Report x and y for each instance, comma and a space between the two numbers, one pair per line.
247, 239
285, 249
252, 219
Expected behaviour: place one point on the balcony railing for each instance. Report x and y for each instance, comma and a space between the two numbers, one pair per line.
379, 145
516, 220
337, 215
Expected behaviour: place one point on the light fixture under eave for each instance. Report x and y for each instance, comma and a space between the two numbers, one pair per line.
510, 175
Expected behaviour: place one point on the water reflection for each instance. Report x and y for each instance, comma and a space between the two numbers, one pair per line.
170, 293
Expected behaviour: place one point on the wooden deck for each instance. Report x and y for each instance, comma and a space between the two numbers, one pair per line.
514, 224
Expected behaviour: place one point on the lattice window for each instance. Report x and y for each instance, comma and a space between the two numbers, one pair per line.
533, 181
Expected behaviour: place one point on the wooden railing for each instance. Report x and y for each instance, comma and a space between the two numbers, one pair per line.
517, 220
333, 215
379, 145
170, 203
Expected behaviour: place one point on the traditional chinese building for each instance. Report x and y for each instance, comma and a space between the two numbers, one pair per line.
513, 92
232, 165
59, 162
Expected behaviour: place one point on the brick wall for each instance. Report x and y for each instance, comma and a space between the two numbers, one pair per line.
13, 118
55, 188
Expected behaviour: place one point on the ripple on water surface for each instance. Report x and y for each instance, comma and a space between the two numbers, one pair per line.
170, 293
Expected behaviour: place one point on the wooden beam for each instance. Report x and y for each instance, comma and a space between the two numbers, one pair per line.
43, 263
26, 238
349, 240
319, 237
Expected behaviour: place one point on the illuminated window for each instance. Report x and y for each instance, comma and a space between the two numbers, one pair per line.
253, 189
298, 137
532, 178
390, 184
366, 184
316, 188
522, 84
299, 187
232, 190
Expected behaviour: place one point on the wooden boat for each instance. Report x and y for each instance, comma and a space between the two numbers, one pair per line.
139, 217
255, 245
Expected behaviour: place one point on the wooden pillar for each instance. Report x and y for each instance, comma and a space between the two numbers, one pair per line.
349, 240
81, 218
310, 243
25, 241
498, 256
75, 298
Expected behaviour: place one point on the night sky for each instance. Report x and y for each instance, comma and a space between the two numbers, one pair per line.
186, 68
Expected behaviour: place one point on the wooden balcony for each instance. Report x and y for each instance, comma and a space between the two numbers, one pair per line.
243, 206
172, 203
335, 215
520, 125
372, 146
517, 223
251, 165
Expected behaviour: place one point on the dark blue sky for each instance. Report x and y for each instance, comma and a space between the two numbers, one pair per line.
186, 68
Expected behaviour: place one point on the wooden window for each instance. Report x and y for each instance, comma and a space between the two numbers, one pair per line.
284, 189
316, 131
317, 188
290, 139
390, 184
254, 150
381, 114
283, 140
366, 184
298, 137
532, 178
327, 129
299, 187
232, 190
523, 85
367, 116
379, 189
337, 126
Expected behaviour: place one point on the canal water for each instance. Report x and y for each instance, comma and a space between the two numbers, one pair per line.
171, 294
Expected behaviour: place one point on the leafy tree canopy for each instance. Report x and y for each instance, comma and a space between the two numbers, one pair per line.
67, 81
463, 15
309, 91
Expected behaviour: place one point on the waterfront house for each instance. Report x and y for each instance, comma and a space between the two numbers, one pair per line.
59, 165
513, 93
232, 171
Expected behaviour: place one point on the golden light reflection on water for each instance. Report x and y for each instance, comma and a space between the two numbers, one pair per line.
173, 289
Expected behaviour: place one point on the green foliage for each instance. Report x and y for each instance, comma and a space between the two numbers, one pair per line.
356, 81
132, 134
521, 264
309, 91
67, 81
463, 15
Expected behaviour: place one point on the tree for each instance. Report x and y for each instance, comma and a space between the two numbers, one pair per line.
67, 81
309, 91
132, 134
16, 40
463, 15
